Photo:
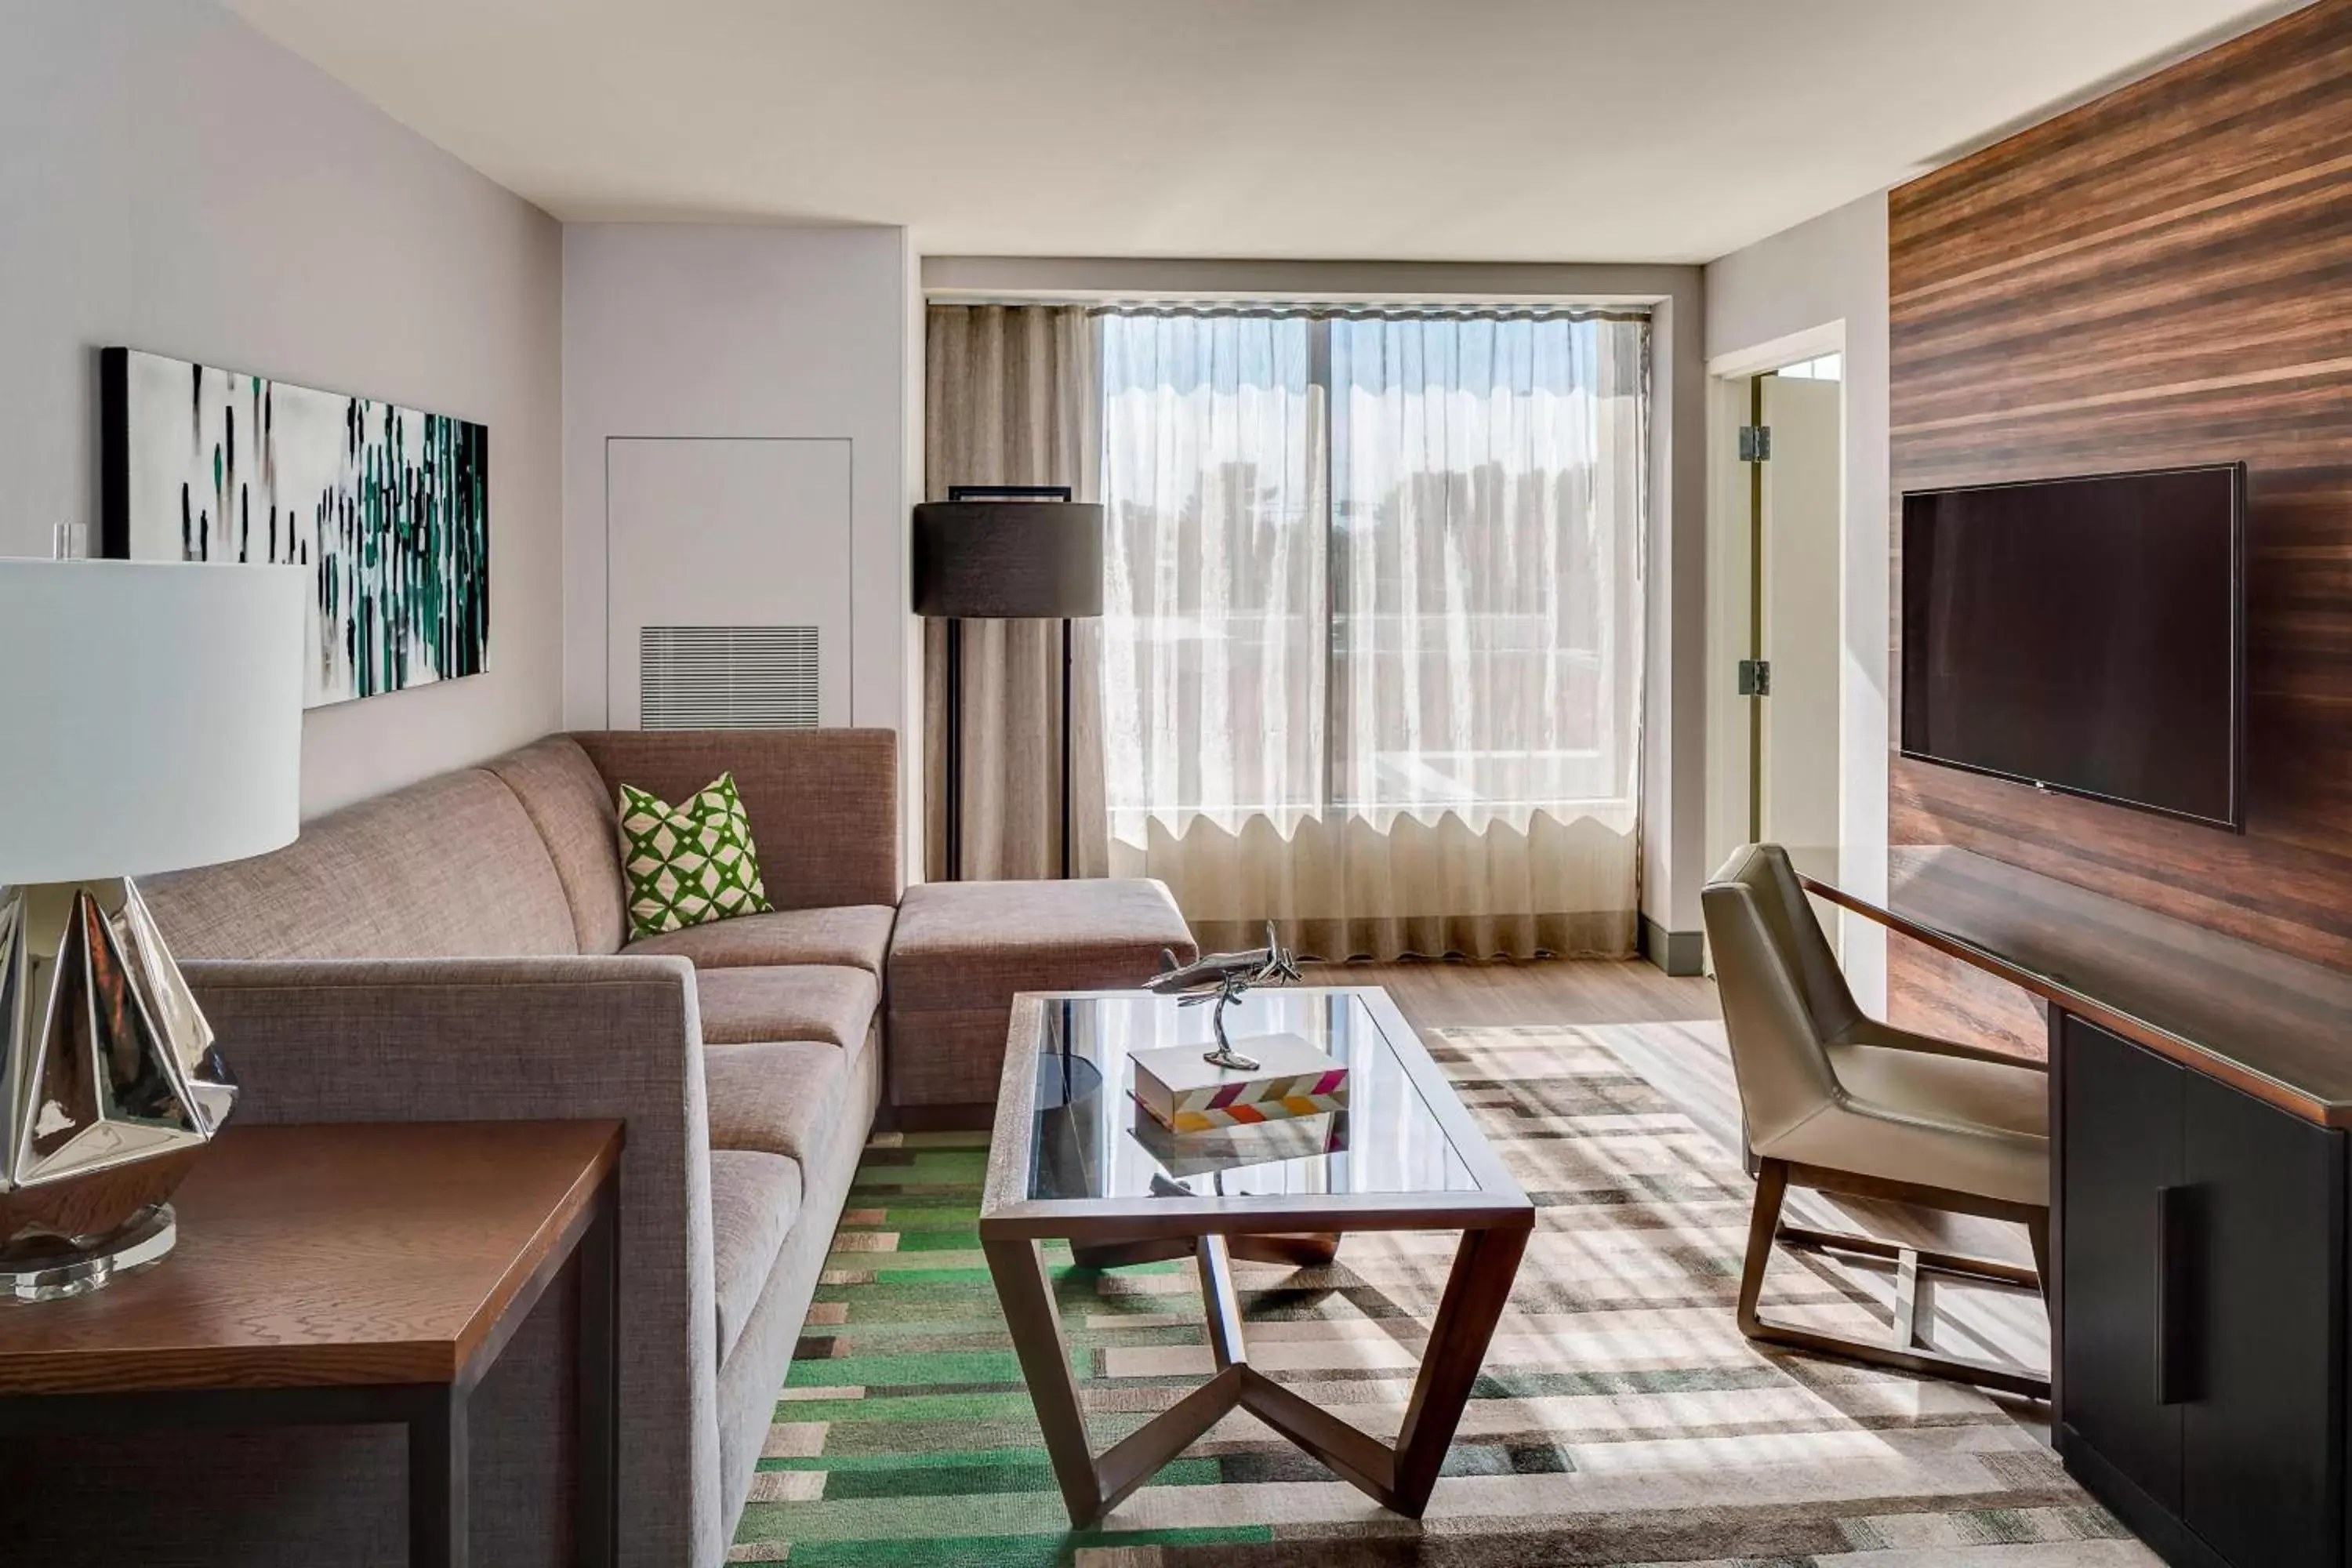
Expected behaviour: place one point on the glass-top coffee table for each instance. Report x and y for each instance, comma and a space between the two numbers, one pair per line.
1074, 1157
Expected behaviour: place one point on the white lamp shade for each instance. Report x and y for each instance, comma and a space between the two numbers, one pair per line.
150, 716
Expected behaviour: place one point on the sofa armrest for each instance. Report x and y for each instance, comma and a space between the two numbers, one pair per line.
527, 1039
823, 803
443, 1039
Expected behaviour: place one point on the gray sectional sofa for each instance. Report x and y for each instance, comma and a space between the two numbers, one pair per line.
457, 951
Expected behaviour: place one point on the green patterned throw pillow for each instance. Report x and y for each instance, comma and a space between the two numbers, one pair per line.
688, 864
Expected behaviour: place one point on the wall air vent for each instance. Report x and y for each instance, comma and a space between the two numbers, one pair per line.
727, 677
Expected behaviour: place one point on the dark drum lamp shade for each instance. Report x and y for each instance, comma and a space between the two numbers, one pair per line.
1004, 553
1008, 560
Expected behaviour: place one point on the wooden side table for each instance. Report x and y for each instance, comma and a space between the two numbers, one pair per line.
351, 1275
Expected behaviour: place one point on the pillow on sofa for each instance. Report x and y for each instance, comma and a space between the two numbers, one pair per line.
691, 864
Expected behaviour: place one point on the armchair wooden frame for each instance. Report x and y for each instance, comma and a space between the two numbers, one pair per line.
1903, 1351
1833, 1101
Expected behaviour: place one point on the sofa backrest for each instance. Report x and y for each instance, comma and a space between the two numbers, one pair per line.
522, 856
451, 868
823, 803
579, 820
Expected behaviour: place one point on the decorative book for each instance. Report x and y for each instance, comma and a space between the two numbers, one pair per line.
1184, 1093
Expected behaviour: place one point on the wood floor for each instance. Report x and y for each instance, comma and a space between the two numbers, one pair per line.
1448, 993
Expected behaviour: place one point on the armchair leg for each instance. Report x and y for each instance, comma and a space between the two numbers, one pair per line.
1904, 1353
1763, 1225
2037, 1231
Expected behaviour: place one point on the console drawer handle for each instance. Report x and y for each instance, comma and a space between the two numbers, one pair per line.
2175, 1357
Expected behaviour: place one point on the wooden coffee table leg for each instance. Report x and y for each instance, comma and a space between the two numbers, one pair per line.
1484, 1267
1123, 1254
1484, 1270
1092, 1487
1302, 1251
1403, 1477
1027, 1294
1305, 1251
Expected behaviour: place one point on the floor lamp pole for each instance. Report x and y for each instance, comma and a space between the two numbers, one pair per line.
996, 563
1066, 748
955, 750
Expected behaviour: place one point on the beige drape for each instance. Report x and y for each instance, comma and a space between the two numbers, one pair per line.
1012, 396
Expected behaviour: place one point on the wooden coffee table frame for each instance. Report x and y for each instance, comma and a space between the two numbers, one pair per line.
1494, 1220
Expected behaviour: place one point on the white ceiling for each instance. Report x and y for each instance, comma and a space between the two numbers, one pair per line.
1442, 129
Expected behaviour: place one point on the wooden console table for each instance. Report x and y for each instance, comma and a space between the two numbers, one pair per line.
350, 1275
2276, 1026
2201, 1092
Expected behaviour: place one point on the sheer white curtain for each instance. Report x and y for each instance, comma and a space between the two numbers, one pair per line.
1373, 639
1213, 628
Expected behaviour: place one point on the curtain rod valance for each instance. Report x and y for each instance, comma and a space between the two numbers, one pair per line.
1367, 312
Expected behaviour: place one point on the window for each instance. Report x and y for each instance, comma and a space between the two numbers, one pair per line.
1828, 367
1477, 656
1365, 569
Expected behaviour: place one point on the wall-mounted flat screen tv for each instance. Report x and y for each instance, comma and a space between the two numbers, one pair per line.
2083, 635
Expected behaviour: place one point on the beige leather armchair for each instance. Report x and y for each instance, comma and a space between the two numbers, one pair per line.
1840, 1103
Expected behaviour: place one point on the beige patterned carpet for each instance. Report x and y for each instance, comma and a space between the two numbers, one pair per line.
1622, 1418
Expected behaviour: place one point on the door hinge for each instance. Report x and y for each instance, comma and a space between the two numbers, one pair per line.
1755, 678
1754, 443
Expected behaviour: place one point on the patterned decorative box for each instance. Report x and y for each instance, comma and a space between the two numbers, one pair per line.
1185, 1094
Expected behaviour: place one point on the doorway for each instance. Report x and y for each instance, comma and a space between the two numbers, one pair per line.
1776, 597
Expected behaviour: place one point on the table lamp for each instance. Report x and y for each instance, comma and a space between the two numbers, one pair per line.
1004, 553
151, 718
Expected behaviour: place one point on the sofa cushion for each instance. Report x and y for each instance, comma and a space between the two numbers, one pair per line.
754, 1199
823, 803
451, 868
820, 1002
569, 805
855, 936
777, 1097
967, 945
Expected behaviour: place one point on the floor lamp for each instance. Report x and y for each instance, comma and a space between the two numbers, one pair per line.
1004, 553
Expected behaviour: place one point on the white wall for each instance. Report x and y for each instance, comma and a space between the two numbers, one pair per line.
1673, 732
1833, 269
173, 181
694, 330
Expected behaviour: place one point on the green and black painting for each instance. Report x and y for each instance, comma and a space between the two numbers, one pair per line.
385, 507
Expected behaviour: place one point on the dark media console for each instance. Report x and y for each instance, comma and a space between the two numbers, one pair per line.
2200, 1099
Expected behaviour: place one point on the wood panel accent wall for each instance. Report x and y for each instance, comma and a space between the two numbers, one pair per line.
2163, 276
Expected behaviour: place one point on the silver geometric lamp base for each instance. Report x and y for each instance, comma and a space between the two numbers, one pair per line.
39, 1274
110, 1088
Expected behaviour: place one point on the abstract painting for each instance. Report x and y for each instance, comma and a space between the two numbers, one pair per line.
387, 508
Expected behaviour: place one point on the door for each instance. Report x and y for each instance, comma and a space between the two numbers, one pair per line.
2122, 1153
1799, 568
2262, 1449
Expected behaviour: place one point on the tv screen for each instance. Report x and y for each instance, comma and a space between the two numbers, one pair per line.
2082, 634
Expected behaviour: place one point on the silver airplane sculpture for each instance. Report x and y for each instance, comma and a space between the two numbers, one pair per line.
1223, 978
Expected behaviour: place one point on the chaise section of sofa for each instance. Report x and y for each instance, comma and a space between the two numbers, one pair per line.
963, 951
457, 951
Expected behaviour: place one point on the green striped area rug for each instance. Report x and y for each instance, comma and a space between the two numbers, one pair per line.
1622, 1418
